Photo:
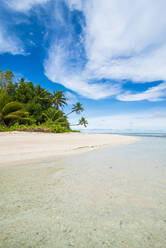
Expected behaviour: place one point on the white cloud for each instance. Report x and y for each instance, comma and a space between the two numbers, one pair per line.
126, 39
57, 69
9, 43
123, 40
153, 94
24, 5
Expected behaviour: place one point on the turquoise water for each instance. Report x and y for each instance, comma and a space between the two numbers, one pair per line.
129, 132
113, 197
122, 192
146, 156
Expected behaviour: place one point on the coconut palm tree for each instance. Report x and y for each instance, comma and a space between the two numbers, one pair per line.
43, 97
81, 122
12, 112
77, 108
59, 99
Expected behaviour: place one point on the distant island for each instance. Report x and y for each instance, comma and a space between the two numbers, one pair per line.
26, 107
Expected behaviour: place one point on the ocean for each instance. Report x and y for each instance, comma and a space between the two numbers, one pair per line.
116, 196
161, 134
112, 197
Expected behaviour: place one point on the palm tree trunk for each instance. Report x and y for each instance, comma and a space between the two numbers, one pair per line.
2, 120
75, 124
70, 113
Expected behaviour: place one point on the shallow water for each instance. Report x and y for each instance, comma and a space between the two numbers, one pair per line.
114, 197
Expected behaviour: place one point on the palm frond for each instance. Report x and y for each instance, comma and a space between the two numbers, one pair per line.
11, 107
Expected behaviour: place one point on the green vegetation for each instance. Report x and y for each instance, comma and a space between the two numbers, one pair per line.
26, 107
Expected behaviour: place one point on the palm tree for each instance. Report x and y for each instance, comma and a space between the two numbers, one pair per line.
76, 108
43, 96
5, 80
59, 99
81, 122
12, 112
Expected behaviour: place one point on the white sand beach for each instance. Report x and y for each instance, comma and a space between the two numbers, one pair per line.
24, 147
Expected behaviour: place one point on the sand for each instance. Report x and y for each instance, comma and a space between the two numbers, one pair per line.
28, 147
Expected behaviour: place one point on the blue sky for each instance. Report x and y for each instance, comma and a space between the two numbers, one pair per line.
108, 54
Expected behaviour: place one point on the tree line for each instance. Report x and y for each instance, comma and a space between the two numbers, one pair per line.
24, 106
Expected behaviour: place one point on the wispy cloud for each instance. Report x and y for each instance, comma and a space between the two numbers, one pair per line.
24, 5
153, 94
122, 41
10, 43
75, 4
96, 45
59, 68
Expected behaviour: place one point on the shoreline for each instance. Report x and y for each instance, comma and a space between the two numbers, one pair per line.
30, 147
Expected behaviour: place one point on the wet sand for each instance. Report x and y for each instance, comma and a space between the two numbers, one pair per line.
112, 197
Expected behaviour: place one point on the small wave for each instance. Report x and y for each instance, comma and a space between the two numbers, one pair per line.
160, 135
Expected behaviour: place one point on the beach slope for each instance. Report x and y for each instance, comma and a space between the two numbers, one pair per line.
28, 147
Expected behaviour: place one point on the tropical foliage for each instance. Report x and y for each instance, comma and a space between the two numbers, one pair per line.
25, 106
